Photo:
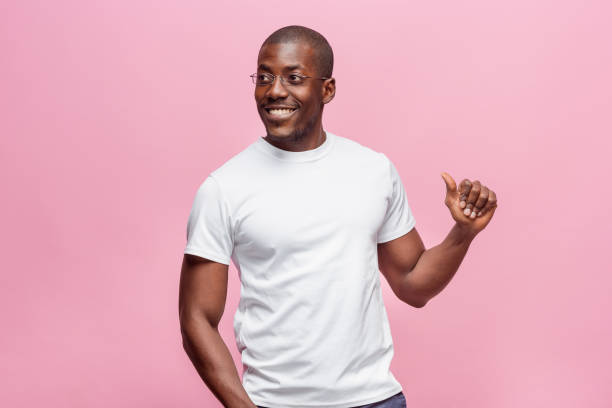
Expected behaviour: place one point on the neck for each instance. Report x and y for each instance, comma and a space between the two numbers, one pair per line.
299, 141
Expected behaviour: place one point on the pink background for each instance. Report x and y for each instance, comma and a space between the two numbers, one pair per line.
114, 112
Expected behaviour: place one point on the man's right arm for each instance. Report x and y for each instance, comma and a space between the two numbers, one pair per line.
202, 295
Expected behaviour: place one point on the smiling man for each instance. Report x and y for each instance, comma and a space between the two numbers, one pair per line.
309, 218
291, 108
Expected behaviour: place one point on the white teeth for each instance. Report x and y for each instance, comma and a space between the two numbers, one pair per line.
280, 111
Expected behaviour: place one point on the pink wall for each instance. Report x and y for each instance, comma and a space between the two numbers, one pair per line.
114, 112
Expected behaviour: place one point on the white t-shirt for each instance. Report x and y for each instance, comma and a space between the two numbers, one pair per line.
302, 230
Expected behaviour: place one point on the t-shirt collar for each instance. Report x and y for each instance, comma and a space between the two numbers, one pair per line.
303, 156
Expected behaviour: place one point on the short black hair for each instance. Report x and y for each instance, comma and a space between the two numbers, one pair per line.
324, 54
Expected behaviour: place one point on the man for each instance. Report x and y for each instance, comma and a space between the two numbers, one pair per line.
309, 218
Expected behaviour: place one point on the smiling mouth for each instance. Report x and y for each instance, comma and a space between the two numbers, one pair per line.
279, 113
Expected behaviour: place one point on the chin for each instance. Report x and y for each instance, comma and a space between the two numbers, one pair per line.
280, 132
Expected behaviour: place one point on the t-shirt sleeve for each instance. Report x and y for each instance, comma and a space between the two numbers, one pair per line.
398, 218
209, 228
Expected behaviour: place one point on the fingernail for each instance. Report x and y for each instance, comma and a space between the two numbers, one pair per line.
479, 213
473, 215
466, 211
462, 204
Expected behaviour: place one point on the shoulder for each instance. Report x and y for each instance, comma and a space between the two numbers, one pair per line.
236, 163
215, 183
364, 154
235, 168
367, 161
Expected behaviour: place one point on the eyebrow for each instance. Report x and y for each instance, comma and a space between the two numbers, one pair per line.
264, 67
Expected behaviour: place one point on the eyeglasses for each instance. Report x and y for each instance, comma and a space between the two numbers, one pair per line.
266, 78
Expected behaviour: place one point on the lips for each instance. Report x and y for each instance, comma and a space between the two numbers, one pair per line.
279, 112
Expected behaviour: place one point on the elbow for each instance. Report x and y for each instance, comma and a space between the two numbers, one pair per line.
413, 300
186, 338
187, 347
187, 344
193, 327
418, 303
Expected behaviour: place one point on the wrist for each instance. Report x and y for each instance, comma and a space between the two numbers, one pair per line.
462, 234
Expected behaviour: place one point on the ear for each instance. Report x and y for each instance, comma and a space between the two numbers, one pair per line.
329, 90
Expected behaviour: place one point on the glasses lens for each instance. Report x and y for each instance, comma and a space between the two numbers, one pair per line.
294, 79
263, 79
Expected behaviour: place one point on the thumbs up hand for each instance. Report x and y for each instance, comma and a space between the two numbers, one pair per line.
472, 205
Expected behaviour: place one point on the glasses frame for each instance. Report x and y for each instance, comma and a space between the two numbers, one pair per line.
282, 79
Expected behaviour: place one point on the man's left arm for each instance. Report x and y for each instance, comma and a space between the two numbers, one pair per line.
416, 275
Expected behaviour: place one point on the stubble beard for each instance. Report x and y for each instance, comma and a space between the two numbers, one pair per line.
300, 133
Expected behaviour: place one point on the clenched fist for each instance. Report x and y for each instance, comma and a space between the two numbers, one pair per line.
472, 205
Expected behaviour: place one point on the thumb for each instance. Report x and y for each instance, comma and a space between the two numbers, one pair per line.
451, 186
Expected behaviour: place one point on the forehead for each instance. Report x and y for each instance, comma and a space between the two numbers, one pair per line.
288, 55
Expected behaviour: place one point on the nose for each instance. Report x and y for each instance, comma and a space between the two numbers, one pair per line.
277, 89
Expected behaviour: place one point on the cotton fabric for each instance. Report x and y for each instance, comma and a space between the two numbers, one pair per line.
302, 230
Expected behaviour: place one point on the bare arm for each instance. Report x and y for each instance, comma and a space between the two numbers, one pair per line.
419, 275
202, 295
416, 275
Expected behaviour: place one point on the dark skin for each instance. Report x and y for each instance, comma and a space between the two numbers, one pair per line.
202, 295
414, 274
303, 129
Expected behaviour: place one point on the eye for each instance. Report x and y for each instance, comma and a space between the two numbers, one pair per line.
295, 79
264, 78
